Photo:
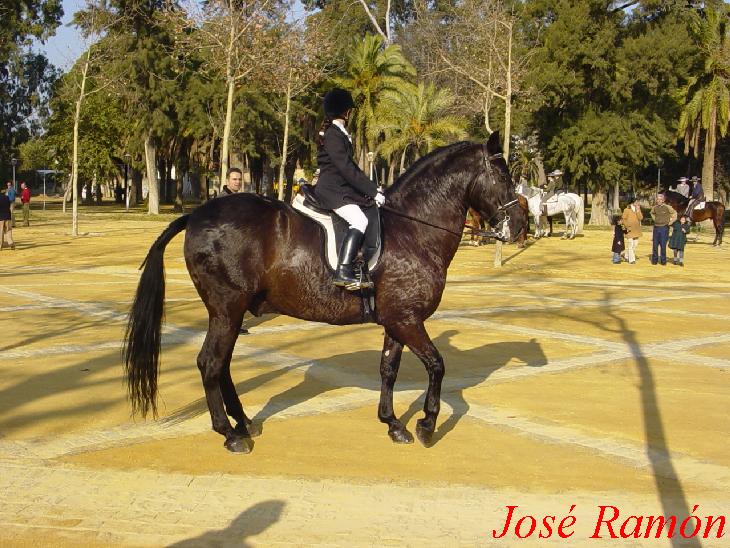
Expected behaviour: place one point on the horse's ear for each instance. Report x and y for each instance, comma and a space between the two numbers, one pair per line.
494, 143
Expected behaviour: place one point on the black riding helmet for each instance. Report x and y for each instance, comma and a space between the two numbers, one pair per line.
336, 102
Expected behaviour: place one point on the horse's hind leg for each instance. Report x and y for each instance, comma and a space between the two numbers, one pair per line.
389, 365
416, 338
234, 409
213, 360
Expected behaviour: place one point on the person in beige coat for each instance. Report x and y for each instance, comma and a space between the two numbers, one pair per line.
631, 220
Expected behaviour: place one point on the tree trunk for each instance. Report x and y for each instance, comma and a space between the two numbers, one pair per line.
616, 206
153, 196
508, 98
708, 160
75, 162
403, 161
227, 132
599, 207
541, 177
282, 167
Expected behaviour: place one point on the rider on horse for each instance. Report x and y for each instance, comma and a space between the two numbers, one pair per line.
342, 186
550, 188
698, 195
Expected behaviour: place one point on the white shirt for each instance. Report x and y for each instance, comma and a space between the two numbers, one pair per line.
341, 124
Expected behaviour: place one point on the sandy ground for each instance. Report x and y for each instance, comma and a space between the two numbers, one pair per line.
571, 383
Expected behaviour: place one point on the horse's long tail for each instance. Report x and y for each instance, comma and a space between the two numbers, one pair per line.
581, 214
141, 349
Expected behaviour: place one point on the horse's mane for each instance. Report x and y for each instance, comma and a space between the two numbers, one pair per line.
428, 161
675, 196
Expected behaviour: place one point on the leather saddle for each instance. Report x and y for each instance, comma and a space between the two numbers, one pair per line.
335, 227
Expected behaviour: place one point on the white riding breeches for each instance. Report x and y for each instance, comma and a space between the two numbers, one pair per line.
633, 243
354, 216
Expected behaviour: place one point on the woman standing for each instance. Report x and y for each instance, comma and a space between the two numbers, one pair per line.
680, 229
342, 185
631, 220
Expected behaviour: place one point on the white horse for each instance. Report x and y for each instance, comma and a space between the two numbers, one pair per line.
567, 203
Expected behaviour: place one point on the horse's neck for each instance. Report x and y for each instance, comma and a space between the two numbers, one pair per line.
440, 200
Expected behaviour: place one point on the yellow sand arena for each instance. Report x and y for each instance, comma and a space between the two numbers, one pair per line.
570, 383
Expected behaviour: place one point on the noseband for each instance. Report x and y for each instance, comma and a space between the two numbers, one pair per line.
503, 234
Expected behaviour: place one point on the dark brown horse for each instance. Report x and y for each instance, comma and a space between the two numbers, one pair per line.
245, 252
714, 211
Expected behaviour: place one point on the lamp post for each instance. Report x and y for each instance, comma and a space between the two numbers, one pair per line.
127, 156
14, 161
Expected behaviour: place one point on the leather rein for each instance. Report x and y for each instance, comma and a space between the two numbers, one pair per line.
484, 233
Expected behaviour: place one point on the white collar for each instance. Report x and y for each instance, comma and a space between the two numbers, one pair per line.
340, 124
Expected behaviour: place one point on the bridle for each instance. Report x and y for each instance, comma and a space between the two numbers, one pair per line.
503, 233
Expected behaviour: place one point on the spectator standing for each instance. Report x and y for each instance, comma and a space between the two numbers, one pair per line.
6, 225
631, 219
12, 195
25, 198
234, 180
663, 216
680, 229
618, 239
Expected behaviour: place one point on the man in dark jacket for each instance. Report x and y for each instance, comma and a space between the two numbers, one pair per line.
234, 179
6, 226
342, 186
698, 195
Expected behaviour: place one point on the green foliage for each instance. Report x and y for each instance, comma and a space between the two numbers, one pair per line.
103, 130
608, 82
707, 95
25, 77
416, 118
371, 70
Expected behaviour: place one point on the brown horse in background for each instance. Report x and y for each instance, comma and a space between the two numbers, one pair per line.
249, 253
713, 211
477, 225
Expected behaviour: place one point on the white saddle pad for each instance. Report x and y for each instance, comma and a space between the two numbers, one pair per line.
330, 242
701, 205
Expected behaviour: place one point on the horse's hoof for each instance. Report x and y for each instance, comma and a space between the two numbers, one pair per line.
238, 444
254, 429
401, 436
425, 436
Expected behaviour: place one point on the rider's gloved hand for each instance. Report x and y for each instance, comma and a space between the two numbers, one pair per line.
379, 199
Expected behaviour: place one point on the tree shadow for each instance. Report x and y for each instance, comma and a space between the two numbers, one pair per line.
465, 369
668, 484
249, 523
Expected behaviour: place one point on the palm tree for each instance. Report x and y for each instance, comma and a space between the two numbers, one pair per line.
707, 96
526, 162
414, 120
371, 70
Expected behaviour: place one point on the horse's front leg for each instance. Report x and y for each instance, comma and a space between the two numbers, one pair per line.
389, 365
416, 338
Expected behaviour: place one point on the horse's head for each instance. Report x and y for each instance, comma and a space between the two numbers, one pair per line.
492, 193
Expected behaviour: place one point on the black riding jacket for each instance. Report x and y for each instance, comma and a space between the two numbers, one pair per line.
341, 181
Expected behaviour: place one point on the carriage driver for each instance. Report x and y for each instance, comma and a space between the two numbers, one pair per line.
342, 185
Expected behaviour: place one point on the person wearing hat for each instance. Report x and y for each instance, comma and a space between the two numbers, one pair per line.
683, 187
553, 178
342, 186
698, 195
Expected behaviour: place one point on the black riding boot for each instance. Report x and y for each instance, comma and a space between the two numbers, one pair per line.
345, 274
